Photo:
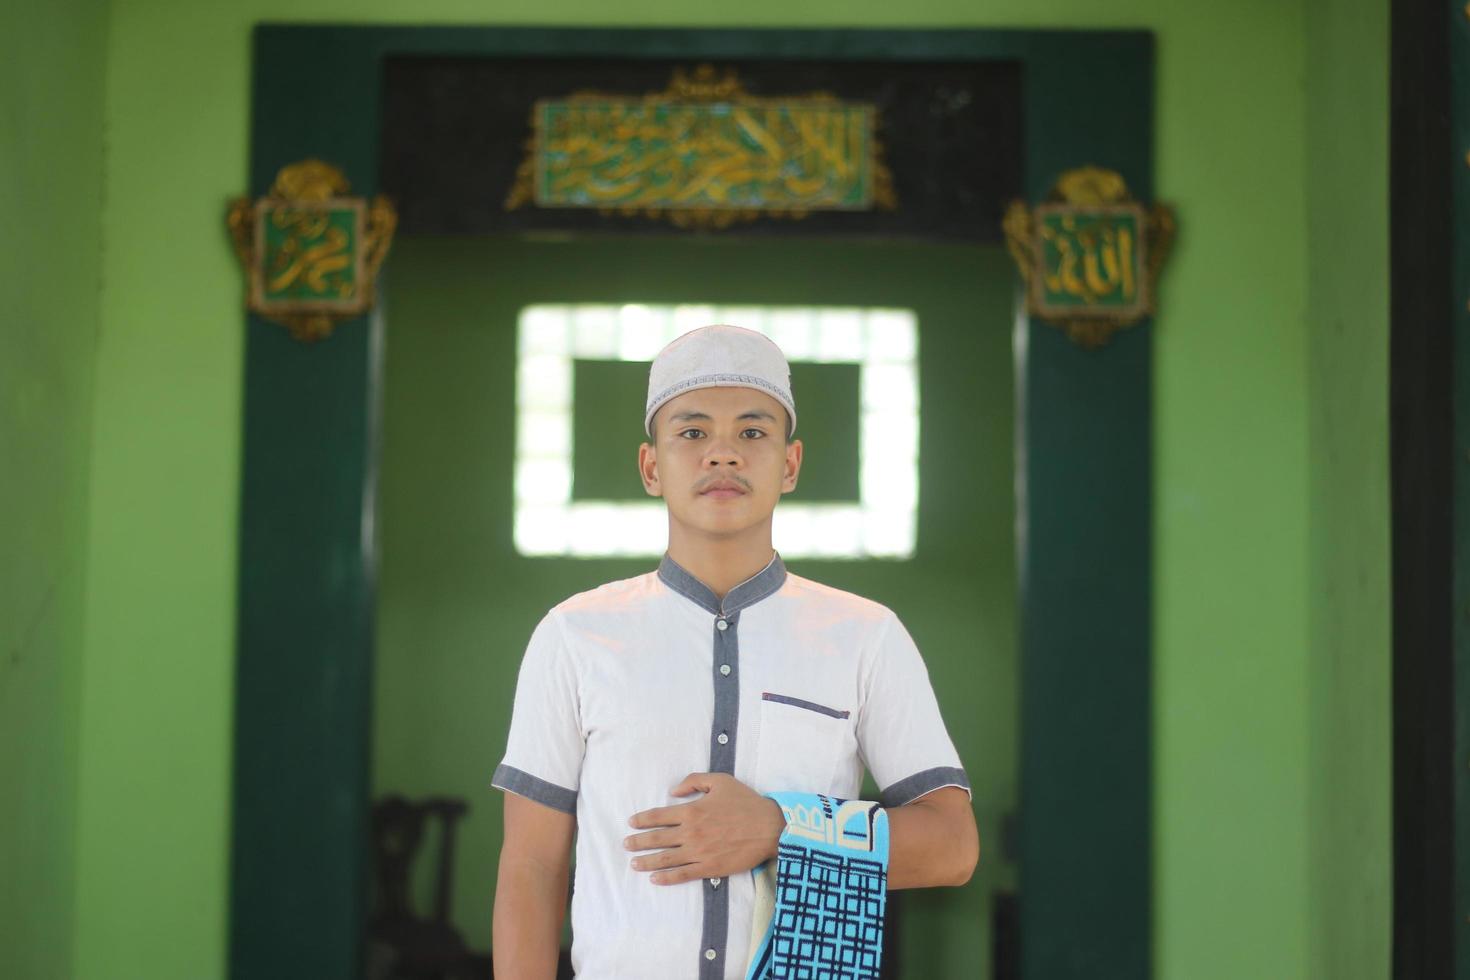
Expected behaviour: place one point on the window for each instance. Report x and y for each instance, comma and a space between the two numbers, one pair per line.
882, 342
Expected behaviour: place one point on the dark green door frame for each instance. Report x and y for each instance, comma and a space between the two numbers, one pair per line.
307, 554
1429, 432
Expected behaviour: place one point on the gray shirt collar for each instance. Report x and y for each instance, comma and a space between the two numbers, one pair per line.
763, 583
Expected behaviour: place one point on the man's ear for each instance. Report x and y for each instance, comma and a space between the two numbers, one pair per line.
793, 466
648, 470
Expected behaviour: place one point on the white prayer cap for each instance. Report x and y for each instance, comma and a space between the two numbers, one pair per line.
719, 356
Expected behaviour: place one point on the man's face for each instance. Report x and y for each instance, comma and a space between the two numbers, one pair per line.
720, 459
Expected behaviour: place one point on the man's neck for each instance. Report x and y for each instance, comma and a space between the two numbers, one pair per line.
721, 563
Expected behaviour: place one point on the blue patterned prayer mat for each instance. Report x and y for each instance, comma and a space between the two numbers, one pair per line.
819, 904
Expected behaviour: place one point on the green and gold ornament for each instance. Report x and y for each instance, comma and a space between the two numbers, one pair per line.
1090, 254
311, 252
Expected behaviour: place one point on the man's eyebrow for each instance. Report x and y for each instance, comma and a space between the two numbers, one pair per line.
754, 413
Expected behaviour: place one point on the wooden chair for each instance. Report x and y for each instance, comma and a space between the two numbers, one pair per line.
401, 944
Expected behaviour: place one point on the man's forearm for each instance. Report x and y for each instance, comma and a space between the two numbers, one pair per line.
530, 903
932, 841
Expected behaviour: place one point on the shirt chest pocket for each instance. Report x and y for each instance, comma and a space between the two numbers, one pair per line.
799, 745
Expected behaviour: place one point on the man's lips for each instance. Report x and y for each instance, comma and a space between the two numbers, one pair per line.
723, 489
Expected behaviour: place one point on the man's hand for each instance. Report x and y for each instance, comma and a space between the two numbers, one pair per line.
732, 828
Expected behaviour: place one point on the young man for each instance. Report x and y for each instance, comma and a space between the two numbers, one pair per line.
653, 713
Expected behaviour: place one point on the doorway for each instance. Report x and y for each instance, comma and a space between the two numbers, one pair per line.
310, 544
457, 599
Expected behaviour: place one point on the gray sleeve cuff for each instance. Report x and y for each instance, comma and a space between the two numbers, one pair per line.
911, 788
513, 780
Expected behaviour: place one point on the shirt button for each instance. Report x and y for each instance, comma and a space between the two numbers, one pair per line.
724, 670
722, 738
709, 954
720, 624
715, 882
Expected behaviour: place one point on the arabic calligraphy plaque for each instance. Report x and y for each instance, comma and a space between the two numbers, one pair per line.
310, 253
1090, 254
1090, 260
703, 153
309, 256
774, 157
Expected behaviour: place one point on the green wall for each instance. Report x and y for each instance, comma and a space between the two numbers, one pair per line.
1351, 804
1245, 764
50, 267
456, 604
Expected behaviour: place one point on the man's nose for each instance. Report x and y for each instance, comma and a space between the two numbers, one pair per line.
721, 452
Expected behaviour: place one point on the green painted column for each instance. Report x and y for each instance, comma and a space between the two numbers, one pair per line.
1085, 563
307, 562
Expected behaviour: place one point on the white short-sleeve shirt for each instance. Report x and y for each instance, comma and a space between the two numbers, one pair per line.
626, 689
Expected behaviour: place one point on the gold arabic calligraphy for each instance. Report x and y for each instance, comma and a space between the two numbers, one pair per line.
311, 255
1103, 248
632, 154
1090, 254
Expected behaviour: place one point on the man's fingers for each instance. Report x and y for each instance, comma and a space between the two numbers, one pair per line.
695, 782
666, 837
659, 816
677, 876
674, 857
669, 816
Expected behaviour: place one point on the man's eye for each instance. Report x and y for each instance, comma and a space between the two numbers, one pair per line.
758, 433
690, 432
